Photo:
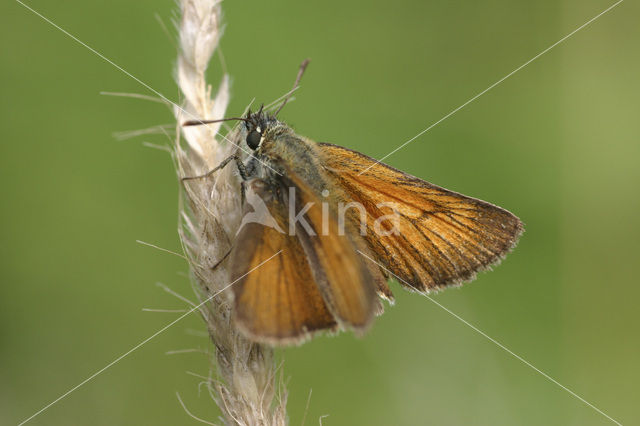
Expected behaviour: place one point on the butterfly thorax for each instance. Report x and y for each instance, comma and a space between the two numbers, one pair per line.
276, 151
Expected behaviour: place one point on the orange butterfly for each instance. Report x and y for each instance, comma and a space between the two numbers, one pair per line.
344, 224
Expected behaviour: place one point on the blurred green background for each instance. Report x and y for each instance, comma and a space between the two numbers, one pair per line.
557, 144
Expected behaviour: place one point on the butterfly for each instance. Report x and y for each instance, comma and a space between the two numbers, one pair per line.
342, 225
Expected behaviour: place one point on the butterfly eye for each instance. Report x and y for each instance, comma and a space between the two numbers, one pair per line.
253, 139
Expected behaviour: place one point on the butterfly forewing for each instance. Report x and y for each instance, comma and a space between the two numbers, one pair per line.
441, 237
279, 302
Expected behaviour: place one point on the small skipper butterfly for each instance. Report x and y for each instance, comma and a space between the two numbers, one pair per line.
344, 224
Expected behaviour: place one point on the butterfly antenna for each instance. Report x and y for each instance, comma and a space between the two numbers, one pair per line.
201, 122
303, 66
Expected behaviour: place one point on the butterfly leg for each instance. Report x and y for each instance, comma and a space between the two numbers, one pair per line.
241, 168
215, 266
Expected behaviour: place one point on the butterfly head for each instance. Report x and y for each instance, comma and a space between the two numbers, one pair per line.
257, 124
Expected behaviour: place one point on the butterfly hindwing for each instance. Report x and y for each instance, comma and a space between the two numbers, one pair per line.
342, 274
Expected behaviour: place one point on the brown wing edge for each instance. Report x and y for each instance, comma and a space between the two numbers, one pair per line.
303, 337
488, 266
417, 286
472, 274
